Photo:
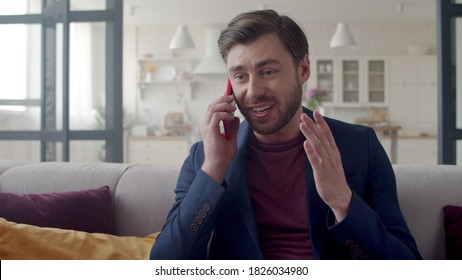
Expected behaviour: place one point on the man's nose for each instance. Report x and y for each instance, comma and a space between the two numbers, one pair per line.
255, 88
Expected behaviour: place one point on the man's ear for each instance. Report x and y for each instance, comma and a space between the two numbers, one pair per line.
304, 69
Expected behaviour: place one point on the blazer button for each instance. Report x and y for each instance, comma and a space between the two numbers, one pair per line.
198, 220
202, 213
359, 253
194, 227
206, 206
354, 247
349, 242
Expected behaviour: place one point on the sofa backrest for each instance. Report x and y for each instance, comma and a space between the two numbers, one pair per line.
143, 194
47, 177
423, 191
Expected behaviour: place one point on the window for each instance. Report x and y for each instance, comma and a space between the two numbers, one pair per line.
61, 80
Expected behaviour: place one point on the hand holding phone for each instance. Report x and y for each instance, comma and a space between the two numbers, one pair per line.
227, 125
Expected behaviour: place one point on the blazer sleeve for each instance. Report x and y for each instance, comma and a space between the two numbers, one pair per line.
374, 227
191, 220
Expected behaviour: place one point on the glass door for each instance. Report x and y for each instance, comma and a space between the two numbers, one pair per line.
62, 67
325, 78
350, 81
376, 78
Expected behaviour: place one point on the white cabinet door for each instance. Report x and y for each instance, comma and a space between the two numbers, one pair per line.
403, 70
323, 75
350, 78
428, 94
403, 108
363, 82
413, 94
428, 74
376, 81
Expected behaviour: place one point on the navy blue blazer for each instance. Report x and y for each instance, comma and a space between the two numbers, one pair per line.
209, 220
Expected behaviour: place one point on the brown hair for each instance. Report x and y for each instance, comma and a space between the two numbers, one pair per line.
248, 27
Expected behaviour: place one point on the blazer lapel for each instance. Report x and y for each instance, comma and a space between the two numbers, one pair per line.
237, 183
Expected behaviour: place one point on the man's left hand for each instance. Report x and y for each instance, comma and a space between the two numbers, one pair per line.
325, 159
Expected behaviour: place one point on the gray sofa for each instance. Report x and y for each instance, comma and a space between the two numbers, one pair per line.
143, 194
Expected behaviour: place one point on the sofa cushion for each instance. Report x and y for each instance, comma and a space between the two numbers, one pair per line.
86, 210
453, 230
21, 241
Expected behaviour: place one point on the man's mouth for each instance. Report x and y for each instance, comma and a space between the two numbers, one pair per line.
261, 112
261, 109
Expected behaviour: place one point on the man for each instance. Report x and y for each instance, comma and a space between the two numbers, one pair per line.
289, 184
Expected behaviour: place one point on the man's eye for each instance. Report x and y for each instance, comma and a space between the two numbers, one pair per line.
239, 77
267, 72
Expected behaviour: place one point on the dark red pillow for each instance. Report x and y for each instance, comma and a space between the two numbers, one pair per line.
453, 229
87, 210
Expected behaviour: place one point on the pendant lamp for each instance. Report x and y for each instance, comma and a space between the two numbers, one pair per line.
342, 37
212, 63
181, 39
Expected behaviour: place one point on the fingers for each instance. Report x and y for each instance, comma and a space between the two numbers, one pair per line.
325, 129
220, 105
217, 111
317, 132
320, 144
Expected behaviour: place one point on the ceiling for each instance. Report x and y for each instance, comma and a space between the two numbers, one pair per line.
200, 12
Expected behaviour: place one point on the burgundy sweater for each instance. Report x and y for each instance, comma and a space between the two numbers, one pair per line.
276, 178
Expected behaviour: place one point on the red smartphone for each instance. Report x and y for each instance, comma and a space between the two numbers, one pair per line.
227, 125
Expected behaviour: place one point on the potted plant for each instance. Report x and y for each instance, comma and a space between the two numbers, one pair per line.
315, 97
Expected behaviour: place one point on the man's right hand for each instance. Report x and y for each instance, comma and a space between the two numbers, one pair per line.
219, 152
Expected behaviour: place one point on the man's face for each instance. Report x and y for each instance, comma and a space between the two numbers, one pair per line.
266, 83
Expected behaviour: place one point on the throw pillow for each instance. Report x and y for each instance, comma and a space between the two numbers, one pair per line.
453, 230
87, 210
28, 242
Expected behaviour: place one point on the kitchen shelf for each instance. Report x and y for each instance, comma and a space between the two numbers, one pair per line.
179, 71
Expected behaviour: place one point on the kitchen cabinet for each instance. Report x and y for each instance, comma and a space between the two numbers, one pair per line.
413, 94
157, 149
358, 81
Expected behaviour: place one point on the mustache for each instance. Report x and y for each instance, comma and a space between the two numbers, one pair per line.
258, 100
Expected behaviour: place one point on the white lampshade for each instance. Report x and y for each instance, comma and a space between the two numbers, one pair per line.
212, 63
342, 37
181, 39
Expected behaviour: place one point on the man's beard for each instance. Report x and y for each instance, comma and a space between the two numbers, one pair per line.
284, 115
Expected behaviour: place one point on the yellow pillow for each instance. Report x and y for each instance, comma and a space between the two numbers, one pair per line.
22, 241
